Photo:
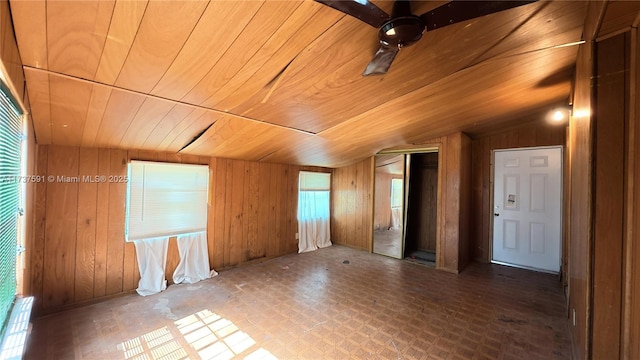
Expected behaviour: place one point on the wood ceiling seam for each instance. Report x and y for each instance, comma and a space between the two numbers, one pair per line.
478, 58
104, 44
275, 83
178, 129
174, 143
132, 42
220, 58
109, 141
39, 103
49, 105
174, 126
162, 32
158, 124
124, 133
90, 139
232, 93
216, 111
46, 33
210, 77
181, 48
95, 75
86, 116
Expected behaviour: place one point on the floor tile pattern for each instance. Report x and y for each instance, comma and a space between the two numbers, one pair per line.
334, 303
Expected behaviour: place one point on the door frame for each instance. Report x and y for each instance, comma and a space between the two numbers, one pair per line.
491, 208
408, 150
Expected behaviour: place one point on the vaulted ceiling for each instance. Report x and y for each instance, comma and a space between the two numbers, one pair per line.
280, 81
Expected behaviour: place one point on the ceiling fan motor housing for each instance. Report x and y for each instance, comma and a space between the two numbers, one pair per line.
401, 31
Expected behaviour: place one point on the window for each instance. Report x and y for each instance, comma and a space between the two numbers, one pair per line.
396, 193
10, 181
313, 197
313, 210
166, 199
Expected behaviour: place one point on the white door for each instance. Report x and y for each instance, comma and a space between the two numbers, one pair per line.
527, 199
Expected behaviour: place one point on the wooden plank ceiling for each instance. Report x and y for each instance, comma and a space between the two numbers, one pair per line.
280, 81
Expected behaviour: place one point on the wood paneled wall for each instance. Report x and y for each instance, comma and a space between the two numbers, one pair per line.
580, 188
455, 166
79, 253
612, 72
631, 332
352, 205
527, 135
580, 139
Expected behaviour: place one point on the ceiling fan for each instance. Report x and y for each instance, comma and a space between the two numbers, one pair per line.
403, 28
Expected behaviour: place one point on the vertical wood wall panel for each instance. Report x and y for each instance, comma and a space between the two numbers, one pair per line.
60, 227
115, 229
79, 226
609, 144
86, 226
39, 229
102, 224
211, 219
580, 205
632, 345
450, 186
352, 207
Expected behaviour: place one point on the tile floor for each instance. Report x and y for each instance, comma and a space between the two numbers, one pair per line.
334, 303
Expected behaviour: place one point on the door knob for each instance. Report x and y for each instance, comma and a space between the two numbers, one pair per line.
496, 214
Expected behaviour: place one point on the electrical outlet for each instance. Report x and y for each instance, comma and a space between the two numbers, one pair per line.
574, 317
297, 236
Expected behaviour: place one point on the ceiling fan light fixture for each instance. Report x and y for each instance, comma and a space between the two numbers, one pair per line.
402, 28
401, 31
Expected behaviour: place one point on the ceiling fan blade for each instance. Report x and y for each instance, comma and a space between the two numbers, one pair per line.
363, 10
381, 61
456, 11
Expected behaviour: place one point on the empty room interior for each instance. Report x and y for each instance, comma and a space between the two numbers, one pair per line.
319, 179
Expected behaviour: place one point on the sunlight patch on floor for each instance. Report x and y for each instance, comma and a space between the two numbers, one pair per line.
210, 335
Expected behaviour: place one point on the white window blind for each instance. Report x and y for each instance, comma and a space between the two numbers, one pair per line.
166, 199
10, 180
313, 181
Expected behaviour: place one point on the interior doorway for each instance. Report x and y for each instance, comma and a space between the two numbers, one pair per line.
422, 209
406, 206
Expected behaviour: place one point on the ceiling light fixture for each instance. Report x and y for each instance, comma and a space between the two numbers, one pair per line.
559, 115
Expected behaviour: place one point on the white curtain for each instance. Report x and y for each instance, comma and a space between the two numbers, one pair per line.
396, 218
194, 259
152, 257
313, 220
